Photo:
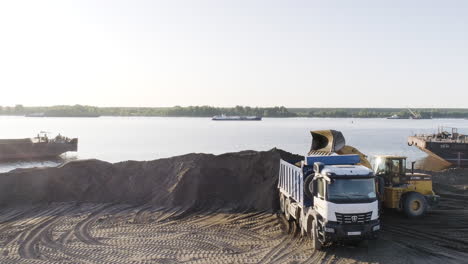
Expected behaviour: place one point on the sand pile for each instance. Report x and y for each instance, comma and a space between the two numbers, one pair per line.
450, 181
452, 176
243, 180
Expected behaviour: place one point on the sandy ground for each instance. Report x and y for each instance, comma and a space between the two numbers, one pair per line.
198, 208
122, 233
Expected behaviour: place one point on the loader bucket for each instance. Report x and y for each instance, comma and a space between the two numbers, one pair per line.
327, 141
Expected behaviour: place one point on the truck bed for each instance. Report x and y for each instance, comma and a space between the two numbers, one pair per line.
291, 181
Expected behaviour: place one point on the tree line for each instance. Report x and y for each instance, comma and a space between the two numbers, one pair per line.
176, 111
382, 112
209, 111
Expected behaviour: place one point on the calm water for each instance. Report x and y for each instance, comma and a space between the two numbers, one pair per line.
145, 138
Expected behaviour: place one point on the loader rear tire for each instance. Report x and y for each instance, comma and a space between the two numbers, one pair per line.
414, 205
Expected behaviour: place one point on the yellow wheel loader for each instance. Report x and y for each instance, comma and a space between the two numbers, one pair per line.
408, 192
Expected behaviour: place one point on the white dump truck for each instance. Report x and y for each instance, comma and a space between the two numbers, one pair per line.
330, 198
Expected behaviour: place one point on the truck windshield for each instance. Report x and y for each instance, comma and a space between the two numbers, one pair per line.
351, 191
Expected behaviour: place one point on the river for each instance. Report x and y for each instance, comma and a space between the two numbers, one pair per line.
116, 139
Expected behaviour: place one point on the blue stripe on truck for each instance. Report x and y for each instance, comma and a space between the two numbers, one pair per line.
333, 160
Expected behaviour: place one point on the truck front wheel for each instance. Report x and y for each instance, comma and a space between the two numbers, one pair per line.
315, 239
414, 205
302, 224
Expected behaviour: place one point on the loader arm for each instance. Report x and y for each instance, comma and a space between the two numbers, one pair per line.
352, 150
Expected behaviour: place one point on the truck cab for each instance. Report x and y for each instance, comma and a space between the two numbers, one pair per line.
345, 203
330, 198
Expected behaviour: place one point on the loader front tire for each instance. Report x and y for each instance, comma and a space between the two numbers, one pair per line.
414, 205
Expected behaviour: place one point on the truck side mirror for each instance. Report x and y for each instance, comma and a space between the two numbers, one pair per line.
314, 187
318, 166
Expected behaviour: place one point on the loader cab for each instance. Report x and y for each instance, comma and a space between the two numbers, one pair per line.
391, 168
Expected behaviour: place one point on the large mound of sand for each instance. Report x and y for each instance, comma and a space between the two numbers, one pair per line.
243, 180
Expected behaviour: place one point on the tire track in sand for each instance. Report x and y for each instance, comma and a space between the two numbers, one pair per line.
27, 248
67, 233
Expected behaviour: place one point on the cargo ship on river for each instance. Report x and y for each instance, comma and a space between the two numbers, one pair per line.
62, 115
450, 147
236, 118
36, 148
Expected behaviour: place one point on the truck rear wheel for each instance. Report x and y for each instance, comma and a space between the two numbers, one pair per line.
286, 209
281, 201
414, 205
317, 245
293, 228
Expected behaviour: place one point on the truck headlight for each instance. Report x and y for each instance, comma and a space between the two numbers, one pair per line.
329, 230
376, 227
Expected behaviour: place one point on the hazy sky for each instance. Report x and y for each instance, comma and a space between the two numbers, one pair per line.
224, 53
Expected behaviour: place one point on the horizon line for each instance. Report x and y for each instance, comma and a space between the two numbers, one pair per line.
184, 106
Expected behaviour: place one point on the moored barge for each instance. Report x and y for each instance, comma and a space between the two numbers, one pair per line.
236, 118
450, 147
36, 148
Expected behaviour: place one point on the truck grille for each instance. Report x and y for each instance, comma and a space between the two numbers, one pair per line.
353, 218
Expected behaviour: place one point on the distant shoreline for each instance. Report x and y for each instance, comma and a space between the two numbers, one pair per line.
207, 117
209, 111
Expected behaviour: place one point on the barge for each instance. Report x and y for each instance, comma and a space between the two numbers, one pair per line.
236, 118
449, 147
36, 148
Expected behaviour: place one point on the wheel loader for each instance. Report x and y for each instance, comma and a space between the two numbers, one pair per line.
411, 192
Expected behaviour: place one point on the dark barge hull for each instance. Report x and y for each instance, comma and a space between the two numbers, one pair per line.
256, 119
25, 149
237, 119
452, 153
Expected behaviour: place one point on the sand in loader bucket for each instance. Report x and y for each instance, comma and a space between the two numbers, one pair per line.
326, 141
329, 142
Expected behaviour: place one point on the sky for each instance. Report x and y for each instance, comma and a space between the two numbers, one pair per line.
224, 53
